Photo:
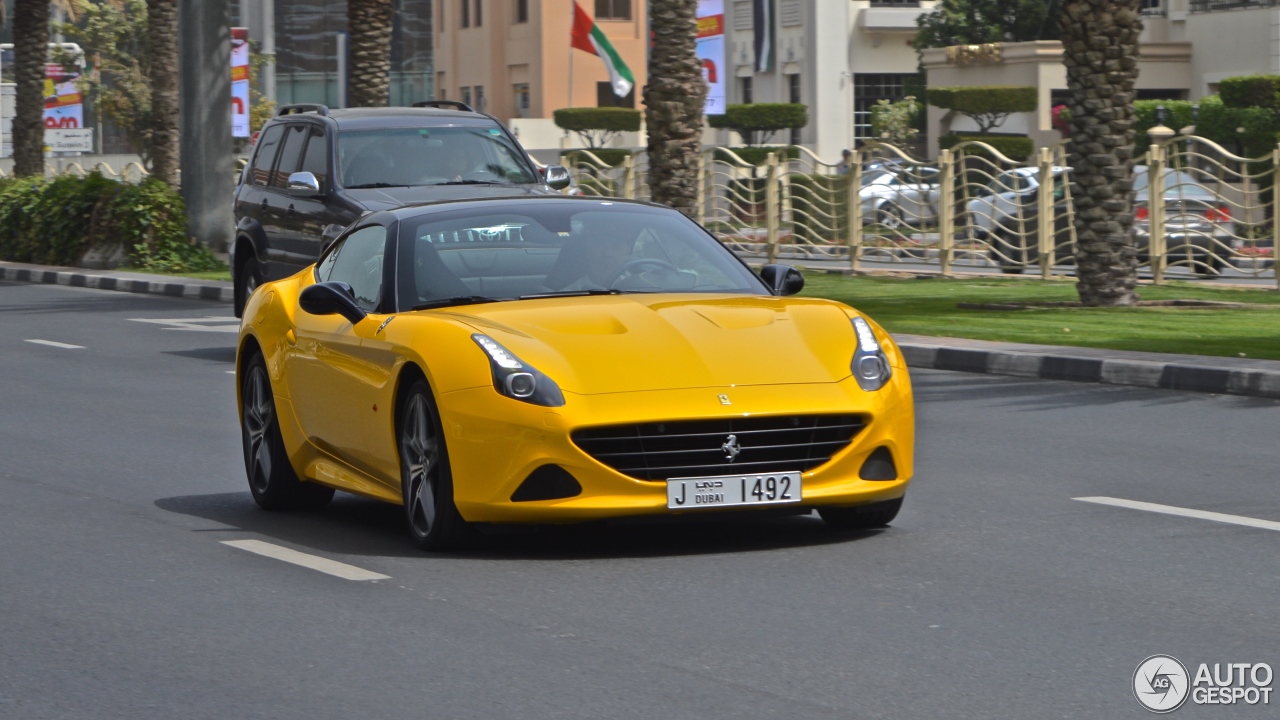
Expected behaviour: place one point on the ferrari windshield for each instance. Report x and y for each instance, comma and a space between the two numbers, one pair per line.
546, 248
390, 157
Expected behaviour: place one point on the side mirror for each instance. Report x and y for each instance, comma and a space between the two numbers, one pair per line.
782, 279
557, 177
303, 184
332, 298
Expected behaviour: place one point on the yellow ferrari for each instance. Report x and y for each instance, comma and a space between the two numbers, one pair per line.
556, 359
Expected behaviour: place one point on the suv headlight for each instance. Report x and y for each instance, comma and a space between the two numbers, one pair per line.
517, 379
869, 366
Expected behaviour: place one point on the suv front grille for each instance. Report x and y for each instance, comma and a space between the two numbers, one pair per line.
693, 448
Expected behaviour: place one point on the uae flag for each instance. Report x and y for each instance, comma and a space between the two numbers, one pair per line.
589, 37
762, 31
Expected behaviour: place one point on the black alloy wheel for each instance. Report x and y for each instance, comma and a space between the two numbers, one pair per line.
425, 478
272, 480
862, 517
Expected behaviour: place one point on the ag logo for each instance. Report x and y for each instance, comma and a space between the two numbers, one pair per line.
1161, 683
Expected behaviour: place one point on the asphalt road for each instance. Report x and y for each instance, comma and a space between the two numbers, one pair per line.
994, 595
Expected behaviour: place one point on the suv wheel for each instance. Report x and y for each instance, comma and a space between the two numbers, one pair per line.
247, 280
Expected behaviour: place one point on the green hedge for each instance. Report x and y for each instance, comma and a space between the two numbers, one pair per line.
982, 99
1245, 91
1215, 121
613, 119
757, 155
613, 157
1012, 146
54, 222
761, 117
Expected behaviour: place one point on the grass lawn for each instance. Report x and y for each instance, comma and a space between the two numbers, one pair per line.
928, 307
224, 274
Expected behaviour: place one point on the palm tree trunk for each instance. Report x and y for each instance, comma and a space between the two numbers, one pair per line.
369, 24
162, 31
1100, 43
31, 51
674, 98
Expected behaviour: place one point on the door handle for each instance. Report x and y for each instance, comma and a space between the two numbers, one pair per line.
264, 204
290, 210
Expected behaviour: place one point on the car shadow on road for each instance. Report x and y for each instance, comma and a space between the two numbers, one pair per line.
357, 526
213, 354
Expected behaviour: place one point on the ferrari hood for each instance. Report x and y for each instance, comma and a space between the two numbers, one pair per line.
626, 343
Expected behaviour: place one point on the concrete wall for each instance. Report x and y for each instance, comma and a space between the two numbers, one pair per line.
1231, 43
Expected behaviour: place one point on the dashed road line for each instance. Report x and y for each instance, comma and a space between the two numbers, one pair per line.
313, 562
1184, 512
51, 343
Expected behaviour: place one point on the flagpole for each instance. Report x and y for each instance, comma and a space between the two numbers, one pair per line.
571, 67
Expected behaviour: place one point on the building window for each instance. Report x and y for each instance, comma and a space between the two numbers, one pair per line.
746, 90
466, 13
1153, 7
479, 98
613, 9
522, 99
466, 96
522, 12
793, 87
479, 15
896, 3
742, 20
791, 13
606, 98
868, 88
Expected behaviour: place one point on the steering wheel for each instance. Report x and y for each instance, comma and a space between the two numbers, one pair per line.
631, 266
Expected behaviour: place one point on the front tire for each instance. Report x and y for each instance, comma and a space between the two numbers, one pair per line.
425, 478
862, 517
271, 478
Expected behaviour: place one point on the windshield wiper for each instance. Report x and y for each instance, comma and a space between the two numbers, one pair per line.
368, 186
471, 182
575, 293
459, 300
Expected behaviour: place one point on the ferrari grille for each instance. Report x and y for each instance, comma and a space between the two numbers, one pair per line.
694, 448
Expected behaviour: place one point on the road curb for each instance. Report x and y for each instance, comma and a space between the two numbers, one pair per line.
167, 286
1111, 371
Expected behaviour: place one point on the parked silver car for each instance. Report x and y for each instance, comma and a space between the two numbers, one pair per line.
1198, 227
1002, 202
902, 195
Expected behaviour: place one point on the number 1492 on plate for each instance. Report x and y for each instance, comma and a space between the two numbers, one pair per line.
733, 490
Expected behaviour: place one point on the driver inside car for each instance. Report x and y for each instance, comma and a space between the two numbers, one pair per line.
602, 260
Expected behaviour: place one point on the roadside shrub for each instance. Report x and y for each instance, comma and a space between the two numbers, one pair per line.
56, 221
1262, 91
612, 157
765, 118
987, 105
757, 155
1012, 146
597, 126
1215, 121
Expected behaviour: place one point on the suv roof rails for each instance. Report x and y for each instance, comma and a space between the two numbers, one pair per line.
443, 104
302, 108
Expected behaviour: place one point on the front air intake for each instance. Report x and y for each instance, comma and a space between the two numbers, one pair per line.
879, 466
549, 482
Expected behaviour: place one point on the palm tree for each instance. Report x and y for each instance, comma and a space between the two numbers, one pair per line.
31, 52
162, 32
369, 25
1100, 44
674, 97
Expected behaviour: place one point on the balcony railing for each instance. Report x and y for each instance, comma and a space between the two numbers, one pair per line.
1201, 6
895, 3
1154, 8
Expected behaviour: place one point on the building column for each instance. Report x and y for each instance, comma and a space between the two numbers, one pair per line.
204, 84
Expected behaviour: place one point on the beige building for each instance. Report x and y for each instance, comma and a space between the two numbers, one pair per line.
511, 58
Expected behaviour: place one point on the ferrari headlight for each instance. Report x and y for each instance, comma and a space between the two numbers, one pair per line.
869, 366
517, 379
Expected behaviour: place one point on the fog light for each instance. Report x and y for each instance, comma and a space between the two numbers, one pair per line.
521, 384
869, 367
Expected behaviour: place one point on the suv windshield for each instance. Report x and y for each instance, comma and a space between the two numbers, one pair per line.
560, 248
429, 156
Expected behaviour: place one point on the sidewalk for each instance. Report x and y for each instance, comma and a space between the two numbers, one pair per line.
1199, 373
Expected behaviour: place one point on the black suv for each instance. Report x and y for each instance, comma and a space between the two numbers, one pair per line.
315, 171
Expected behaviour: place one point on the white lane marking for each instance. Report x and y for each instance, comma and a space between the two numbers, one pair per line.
51, 343
231, 372
1184, 512
314, 562
209, 323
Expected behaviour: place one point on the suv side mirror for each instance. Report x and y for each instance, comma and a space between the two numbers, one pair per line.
782, 279
303, 184
332, 298
557, 177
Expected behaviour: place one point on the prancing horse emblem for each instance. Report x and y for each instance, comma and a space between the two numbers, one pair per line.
731, 448
724, 400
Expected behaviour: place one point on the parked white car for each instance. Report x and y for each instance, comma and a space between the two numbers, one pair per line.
1004, 200
895, 196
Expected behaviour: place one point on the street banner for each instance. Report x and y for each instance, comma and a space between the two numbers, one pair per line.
710, 51
762, 29
240, 82
588, 37
63, 103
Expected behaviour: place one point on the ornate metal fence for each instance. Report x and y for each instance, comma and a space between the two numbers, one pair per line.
973, 209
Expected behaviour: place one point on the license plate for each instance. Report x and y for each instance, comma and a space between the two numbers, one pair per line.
733, 490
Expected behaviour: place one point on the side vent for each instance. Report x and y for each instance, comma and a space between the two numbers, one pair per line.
549, 482
879, 466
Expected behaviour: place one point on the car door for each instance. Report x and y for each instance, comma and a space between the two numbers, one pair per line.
284, 253
333, 379
252, 199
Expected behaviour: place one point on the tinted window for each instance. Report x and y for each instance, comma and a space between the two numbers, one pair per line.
430, 156
357, 261
316, 158
268, 144
553, 247
290, 155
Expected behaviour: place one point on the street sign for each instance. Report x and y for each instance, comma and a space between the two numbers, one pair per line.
67, 140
